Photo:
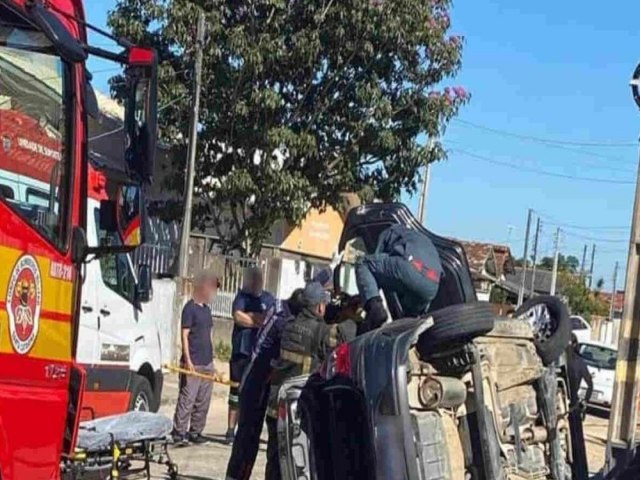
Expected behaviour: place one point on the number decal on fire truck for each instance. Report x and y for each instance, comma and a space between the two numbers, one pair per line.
24, 299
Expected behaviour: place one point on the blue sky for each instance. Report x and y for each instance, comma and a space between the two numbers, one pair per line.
547, 69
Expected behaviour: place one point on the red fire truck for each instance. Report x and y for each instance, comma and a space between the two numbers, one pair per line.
45, 98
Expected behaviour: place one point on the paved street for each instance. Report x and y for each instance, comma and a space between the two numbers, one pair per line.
207, 462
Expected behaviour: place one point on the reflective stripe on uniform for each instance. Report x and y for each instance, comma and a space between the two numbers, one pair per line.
234, 384
333, 336
272, 412
298, 359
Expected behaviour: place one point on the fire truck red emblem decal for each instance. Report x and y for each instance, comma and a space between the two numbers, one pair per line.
24, 299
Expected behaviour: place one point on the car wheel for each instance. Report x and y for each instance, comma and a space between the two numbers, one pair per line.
141, 395
456, 324
549, 319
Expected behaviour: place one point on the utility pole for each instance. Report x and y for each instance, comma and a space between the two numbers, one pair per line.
183, 260
554, 275
526, 253
583, 265
424, 194
535, 256
613, 294
621, 438
593, 259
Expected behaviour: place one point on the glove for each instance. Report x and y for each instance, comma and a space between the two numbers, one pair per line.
337, 258
376, 313
582, 408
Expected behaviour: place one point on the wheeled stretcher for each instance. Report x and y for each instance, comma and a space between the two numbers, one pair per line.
121, 446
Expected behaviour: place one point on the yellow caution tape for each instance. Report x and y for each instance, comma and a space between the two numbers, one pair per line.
184, 371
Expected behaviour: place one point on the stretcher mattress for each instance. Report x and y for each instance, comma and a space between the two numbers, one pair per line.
97, 435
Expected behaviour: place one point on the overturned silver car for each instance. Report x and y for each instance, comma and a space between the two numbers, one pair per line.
458, 394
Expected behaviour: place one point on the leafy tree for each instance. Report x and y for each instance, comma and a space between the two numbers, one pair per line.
580, 298
301, 102
565, 264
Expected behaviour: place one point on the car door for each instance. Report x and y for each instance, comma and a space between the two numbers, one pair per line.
361, 231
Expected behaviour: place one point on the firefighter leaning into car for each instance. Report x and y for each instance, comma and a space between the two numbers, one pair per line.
254, 388
305, 343
405, 263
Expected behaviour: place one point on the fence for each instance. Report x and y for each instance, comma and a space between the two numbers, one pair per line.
231, 271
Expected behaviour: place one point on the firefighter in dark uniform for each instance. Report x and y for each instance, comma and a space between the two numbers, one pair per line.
305, 343
405, 263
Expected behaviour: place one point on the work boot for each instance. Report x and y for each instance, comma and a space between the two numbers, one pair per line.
198, 439
229, 437
179, 439
376, 313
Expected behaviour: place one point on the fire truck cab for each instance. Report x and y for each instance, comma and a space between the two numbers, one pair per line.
45, 100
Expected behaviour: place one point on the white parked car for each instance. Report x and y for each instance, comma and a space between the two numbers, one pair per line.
601, 361
581, 329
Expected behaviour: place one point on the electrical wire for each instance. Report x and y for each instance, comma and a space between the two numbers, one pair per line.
628, 171
543, 172
116, 130
549, 141
560, 223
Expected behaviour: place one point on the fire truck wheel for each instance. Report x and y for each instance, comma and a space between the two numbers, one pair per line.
141, 395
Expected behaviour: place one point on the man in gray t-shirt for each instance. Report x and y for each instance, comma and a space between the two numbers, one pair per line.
197, 356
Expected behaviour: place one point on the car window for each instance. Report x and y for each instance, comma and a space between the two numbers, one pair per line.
34, 155
599, 357
115, 268
578, 324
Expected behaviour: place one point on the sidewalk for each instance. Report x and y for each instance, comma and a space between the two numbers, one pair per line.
207, 462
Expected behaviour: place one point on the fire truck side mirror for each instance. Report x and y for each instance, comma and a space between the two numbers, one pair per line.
68, 47
141, 112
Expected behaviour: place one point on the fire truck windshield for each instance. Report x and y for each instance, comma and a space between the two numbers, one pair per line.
34, 158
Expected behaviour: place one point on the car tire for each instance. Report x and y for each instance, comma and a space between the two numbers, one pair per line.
456, 324
142, 398
552, 340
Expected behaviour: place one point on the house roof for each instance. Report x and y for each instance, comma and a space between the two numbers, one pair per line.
542, 279
618, 303
488, 259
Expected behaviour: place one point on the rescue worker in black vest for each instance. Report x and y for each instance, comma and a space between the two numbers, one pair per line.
305, 343
405, 263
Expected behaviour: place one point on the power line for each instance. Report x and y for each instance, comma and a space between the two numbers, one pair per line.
549, 141
116, 130
595, 239
579, 227
544, 172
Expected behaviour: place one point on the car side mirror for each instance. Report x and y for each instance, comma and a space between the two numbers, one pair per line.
144, 287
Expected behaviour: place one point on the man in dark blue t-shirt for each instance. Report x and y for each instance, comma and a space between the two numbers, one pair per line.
249, 309
197, 356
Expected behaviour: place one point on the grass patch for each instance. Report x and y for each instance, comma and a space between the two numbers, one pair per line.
223, 351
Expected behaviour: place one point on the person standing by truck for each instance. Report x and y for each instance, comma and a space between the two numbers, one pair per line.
305, 343
255, 385
197, 357
249, 309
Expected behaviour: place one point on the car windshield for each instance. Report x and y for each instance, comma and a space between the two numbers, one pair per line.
599, 357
